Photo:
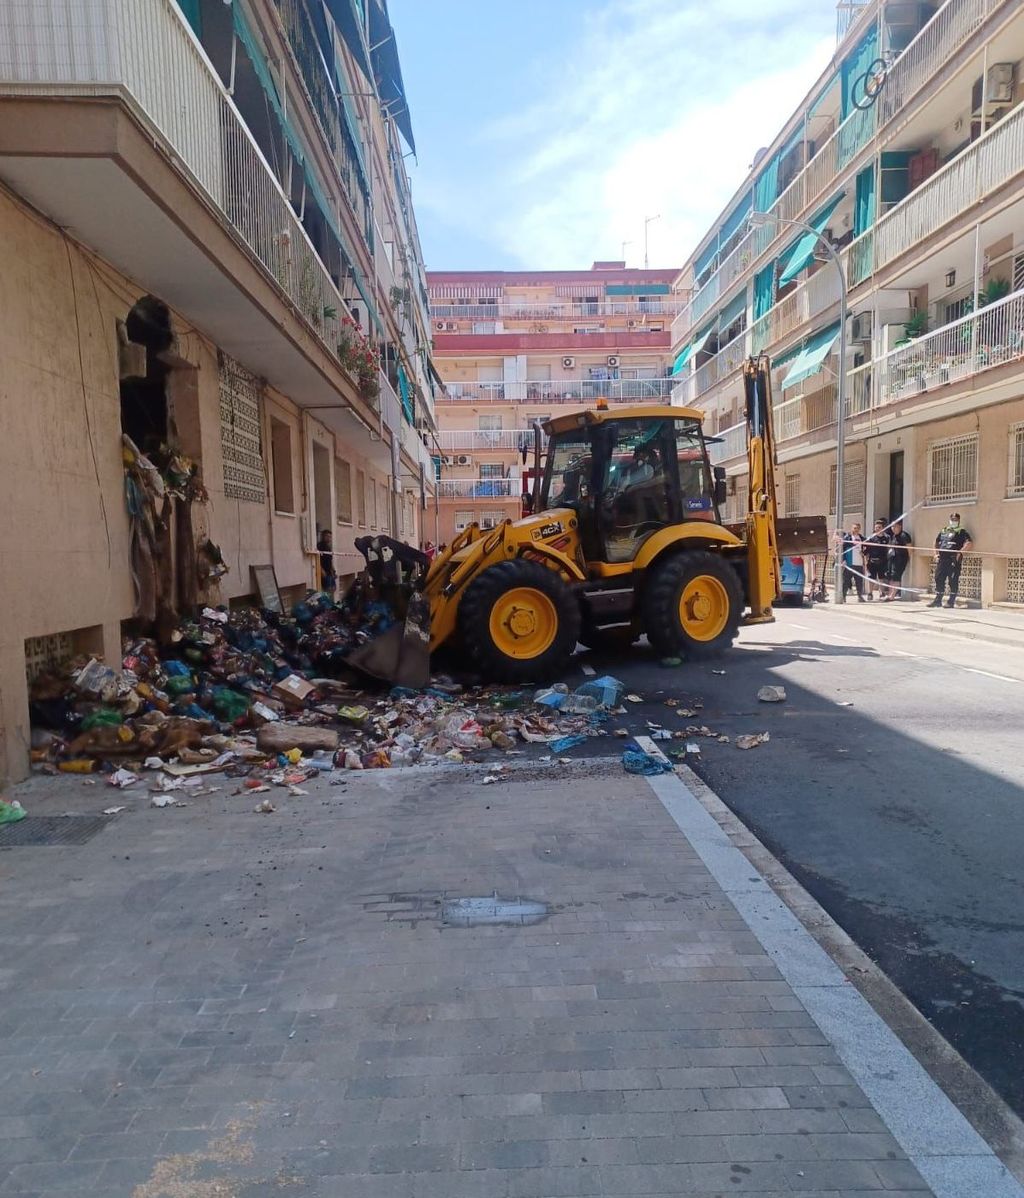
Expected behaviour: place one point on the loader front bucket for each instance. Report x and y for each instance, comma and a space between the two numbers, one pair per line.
393, 579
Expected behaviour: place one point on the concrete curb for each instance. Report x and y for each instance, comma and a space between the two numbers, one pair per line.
989, 1116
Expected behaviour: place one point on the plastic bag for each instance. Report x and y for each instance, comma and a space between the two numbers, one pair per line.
636, 761
10, 813
228, 704
97, 719
606, 691
564, 743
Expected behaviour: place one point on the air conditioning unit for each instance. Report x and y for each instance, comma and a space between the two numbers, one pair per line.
450, 326
439, 325
860, 329
463, 459
998, 89
568, 363
631, 324
613, 359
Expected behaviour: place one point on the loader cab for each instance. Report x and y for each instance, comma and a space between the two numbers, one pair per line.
628, 475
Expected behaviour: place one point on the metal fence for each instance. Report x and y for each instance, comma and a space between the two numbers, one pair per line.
479, 488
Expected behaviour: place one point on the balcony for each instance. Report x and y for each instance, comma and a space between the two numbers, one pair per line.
729, 443
464, 440
479, 488
988, 164
991, 337
579, 391
667, 306
165, 181
928, 55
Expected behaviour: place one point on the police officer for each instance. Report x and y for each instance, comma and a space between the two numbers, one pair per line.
951, 544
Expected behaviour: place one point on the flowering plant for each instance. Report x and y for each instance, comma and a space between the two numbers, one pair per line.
359, 358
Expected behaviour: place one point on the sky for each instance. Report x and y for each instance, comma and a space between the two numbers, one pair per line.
547, 130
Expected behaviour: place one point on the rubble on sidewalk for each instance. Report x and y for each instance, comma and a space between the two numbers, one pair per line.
270, 699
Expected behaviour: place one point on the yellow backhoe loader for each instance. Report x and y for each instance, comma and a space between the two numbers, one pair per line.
626, 536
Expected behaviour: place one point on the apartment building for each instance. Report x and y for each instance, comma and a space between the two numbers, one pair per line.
514, 347
907, 155
210, 246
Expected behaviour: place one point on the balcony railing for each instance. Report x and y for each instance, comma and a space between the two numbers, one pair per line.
730, 443
466, 439
479, 488
668, 306
562, 391
143, 50
992, 336
928, 54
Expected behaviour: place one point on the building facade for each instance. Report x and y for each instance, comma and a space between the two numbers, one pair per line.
514, 347
209, 248
908, 156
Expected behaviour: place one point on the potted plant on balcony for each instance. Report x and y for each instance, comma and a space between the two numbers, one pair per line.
359, 358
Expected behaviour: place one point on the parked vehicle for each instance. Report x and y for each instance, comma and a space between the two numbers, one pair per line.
793, 580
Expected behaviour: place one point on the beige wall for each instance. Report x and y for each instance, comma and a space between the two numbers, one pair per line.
64, 537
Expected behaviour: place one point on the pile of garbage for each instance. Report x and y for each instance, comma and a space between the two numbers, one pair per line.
270, 697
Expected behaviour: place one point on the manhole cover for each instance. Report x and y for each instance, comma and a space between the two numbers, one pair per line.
51, 829
471, 912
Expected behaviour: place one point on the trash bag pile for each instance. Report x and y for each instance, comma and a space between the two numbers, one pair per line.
269, 697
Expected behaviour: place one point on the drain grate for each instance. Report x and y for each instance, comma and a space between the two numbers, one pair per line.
51, 829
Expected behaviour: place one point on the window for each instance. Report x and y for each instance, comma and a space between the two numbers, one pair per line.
584, 329
485, 327
793, 495
383, 508
957, 309
953, 469
240, 443
281, 457
361, 497
463, 520
374, 512
490, 519
853, 488
343, 491
492, 470
489, 424
1015, 484
1018, 273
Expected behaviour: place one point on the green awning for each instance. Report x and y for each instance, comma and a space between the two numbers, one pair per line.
810, 359
802, 253
702, 339
732, 310
637, 289
681, 359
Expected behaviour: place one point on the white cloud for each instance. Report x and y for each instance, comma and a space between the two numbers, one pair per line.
658, 109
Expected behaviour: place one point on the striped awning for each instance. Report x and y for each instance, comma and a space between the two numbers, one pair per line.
450, 291
578, 290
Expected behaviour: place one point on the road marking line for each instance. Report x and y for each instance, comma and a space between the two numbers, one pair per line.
904, 653
951, 1156
853, 640
802, 627
989, 674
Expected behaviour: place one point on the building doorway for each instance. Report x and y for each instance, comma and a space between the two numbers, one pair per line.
894, 504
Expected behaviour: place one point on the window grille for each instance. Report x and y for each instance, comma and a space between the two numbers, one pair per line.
953, 469
240, 440
792, 495
1015, 480
853, 489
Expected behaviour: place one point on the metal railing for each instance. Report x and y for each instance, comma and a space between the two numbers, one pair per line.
732, 443
948, 29
992, 336
561, 391
993, 160
143, 51
479, 488
442, 310
485, 439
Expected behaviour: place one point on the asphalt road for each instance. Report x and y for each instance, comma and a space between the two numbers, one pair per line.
893, 788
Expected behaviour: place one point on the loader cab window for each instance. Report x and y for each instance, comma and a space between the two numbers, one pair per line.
637, 487
567, 479
696, 487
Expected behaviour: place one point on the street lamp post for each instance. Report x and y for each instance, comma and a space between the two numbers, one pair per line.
758, 219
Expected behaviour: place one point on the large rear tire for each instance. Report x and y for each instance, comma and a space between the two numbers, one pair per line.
519, 622
692, 605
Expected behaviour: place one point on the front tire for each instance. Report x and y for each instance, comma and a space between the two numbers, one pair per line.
692, 605
519, 622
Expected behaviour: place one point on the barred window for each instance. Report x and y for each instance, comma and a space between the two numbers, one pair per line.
361, 497
853, 488
463, 520
1015, 483
792, 504
240, 441
953, 469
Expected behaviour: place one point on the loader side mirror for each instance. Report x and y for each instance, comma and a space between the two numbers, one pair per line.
721, 495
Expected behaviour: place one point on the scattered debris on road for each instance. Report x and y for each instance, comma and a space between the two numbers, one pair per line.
752, 740
772, 694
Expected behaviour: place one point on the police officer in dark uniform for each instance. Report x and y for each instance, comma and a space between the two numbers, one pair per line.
951, 544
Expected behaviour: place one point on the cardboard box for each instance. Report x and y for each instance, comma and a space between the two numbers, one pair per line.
293, 691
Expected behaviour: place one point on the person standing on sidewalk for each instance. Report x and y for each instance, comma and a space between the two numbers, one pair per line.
853, 561
951, 544
898, 560
876, 559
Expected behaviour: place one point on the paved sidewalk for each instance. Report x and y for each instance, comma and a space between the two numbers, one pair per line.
996, 625
212, 1003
